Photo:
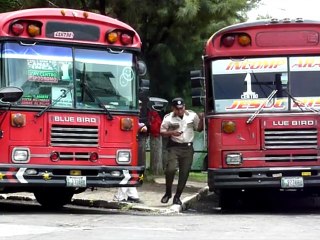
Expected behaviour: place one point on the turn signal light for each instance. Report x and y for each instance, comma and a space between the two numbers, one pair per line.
244, 40
228, 126
112, 37
126, 124
33, 30
18, 120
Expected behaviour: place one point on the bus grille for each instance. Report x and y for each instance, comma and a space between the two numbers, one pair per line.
74, 136
291, 139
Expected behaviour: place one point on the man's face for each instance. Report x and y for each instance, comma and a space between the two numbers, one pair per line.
179, 111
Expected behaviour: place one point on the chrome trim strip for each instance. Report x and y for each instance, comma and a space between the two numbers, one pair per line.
280, 158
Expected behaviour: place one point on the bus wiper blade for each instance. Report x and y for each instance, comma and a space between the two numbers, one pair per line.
92, 96
253, 116
64, 94
301, 104
86, 89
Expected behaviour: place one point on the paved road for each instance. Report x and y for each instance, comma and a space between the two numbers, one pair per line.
150, 194
29, 221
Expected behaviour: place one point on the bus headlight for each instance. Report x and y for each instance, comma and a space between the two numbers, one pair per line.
233, 159
20, 155
123, 157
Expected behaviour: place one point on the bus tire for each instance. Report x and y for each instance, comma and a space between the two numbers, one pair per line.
53, 198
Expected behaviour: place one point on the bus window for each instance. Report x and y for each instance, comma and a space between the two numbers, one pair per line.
41, 71
243, 86
107, 76
304, 76
305, 84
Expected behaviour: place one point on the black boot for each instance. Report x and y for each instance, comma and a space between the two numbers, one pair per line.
166, 198
176, 200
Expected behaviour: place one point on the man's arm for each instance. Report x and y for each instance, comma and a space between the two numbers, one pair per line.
165, 132
201, 121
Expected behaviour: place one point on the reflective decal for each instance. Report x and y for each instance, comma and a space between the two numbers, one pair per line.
46, 176
19, 175
127, 177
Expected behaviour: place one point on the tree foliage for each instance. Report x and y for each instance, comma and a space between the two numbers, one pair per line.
173, 32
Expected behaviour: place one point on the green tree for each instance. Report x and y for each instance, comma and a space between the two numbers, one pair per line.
173, 34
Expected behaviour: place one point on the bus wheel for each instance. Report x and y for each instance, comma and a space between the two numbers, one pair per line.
53, 198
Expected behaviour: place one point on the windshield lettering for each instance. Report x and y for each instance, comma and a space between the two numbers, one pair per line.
249, 94
306, 63
254, 64
253, 105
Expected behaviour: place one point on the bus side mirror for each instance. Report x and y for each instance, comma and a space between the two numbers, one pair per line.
144, 87
197, 88
142, 68
157, 104
10, 94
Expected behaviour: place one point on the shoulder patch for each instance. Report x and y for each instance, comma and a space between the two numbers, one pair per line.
167, 115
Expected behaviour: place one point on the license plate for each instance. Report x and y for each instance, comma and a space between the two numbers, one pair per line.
292, 182
76, 181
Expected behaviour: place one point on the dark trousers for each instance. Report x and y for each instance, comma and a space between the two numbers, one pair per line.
142, 151
184, 157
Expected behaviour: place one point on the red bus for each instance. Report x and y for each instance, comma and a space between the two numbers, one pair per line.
75, 126
262, 103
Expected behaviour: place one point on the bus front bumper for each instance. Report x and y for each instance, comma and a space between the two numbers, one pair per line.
258, 178
70, 176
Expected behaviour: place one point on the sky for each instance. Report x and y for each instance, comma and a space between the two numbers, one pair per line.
306, 9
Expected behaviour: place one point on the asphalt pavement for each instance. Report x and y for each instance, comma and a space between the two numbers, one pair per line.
150, 194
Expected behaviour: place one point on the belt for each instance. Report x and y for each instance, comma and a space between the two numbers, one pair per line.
176, 144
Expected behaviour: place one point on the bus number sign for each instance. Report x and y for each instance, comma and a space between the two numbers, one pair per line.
59, 34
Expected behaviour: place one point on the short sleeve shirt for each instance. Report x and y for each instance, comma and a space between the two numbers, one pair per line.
188, 124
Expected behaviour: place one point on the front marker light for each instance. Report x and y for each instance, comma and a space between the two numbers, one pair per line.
233, 159
112, 37
20, 155
34, 30
18, 120
126, 124
123, 157
244, 39
228, 127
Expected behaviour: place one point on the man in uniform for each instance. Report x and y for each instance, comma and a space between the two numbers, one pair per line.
179, 126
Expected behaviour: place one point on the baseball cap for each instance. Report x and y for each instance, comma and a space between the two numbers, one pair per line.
178, 102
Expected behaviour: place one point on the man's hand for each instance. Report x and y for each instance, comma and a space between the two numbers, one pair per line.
176, 133
201, 115
142, 128
201, 122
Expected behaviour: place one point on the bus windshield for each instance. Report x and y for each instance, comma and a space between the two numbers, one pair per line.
244, 85
86, 78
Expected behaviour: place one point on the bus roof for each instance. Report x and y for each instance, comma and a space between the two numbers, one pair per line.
67, 16
287, 36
